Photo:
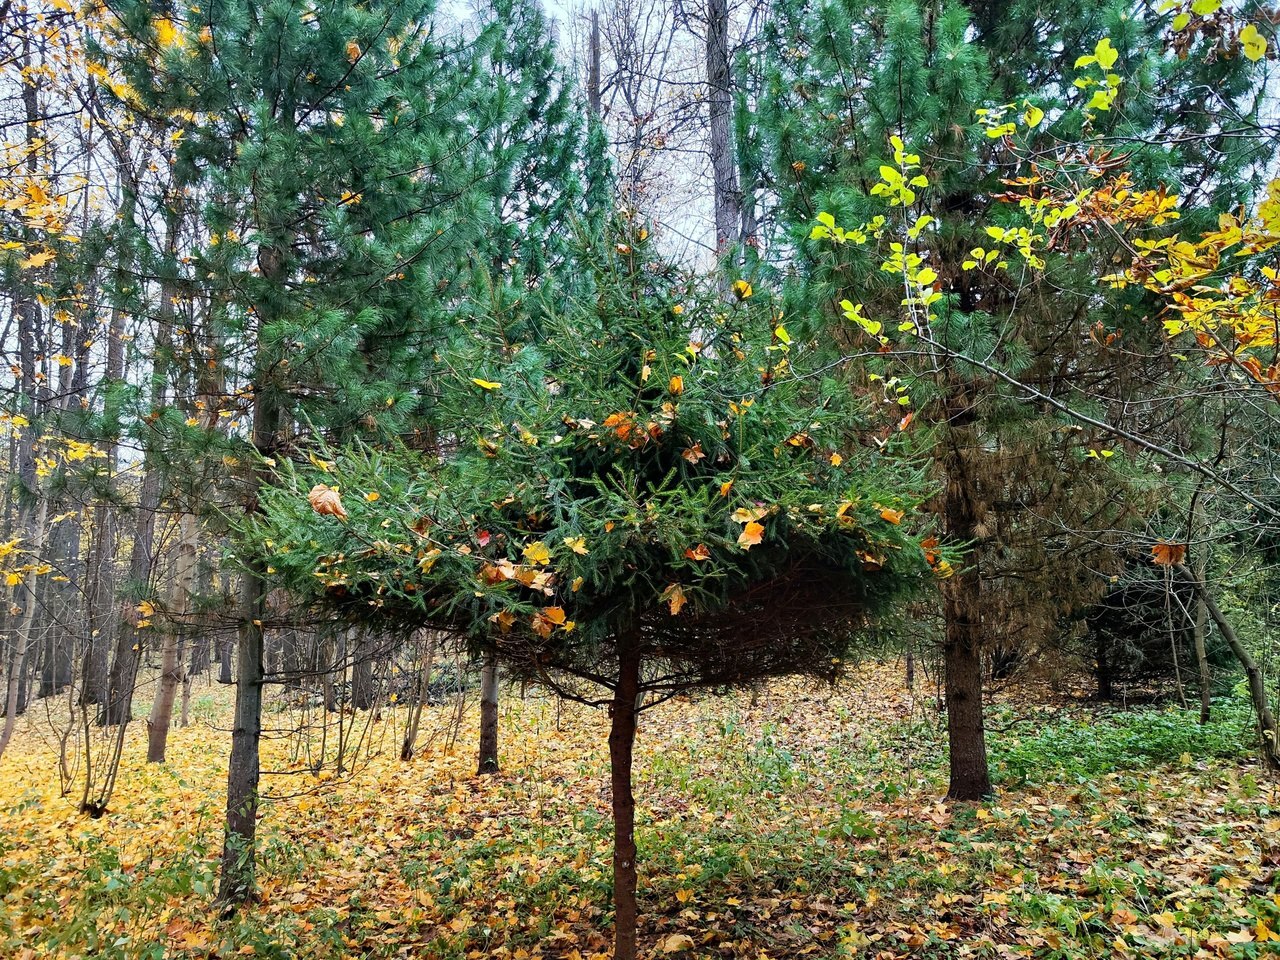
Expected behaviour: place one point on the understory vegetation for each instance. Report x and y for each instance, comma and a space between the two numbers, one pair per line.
795, 821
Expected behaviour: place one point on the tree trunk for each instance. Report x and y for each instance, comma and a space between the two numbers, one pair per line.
224, 661
244, 770
237, 880
962, 601
171, 669
1102, 660
1268, 731
727, 194
622, 736
1200, 626
362, 656
970, 779
593, 66
489, 715
13, 694
420, 686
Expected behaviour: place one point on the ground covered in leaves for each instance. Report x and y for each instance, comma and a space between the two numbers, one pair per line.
796, 822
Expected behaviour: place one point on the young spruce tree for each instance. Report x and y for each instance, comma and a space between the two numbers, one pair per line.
652, 492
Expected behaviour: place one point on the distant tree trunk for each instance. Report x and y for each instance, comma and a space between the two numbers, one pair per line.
1201, 624
489, 715
727, 194
593, 66
23, 634
362, 656
224, 661
622, 736
171, 669
421, 682
100, 582
1102, 666
1268, 731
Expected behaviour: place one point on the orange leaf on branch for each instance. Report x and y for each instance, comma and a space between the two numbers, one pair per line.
1168, 554
325, 501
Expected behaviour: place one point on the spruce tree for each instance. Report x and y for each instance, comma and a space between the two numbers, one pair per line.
652, 493
953, 81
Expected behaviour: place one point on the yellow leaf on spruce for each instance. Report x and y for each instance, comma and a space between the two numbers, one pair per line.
486, 384
373, 495
353, 51
577, 544
36, 260
751, 535
676, 385
742, 289
892, 516
538, 553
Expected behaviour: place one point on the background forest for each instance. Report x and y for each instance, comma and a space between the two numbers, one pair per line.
756, 479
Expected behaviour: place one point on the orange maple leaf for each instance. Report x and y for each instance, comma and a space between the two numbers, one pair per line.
751, 534
1168, 554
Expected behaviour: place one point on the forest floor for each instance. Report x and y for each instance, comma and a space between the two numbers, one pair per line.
798, 822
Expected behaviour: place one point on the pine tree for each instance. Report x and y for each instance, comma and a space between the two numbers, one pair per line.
647, 498
841, 80
341, 161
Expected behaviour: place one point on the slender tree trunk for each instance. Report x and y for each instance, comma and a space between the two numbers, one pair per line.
489, 715
593, 66
962, 611
727, 194
13, 694
171, 669
237, 879
243, 772
1201, 624
421, 684
622, 736
1103, 667
224, 661
1268, 731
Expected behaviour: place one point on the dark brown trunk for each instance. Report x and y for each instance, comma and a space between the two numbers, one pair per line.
1102, 658
962, 610
243, 772
489, 715
622, 736
237, 879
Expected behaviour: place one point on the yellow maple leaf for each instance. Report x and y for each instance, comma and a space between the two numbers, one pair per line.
537, 552
577, 544
36, 260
